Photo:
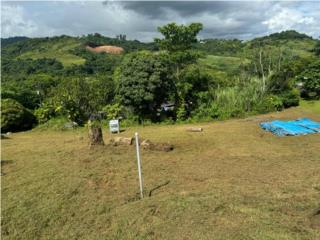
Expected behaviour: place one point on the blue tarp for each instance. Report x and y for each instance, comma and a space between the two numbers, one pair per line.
301, 126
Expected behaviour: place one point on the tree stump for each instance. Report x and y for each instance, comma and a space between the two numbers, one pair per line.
95, 135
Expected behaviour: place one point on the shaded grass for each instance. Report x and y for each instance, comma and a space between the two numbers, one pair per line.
311, 106
232, 181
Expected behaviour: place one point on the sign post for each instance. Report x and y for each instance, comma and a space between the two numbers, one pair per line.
114, 126
139, 164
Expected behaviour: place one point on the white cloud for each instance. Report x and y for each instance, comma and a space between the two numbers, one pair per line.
15, 23
282, 18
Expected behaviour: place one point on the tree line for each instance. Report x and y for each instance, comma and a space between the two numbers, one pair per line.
162, 81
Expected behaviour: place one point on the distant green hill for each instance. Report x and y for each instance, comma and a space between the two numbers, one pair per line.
225, 58
57, 48
6, 41
222, 56
65, 49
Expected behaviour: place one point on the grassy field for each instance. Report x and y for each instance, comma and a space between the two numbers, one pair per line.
232, 181
222, 67
222, 63
311, 106
57, 50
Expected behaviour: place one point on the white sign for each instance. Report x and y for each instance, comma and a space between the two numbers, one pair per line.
114, 126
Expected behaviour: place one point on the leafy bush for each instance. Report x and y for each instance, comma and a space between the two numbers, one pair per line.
290, 98
310, 78
78, 98
27, 97
238, 100
112, 110
56, 123
268, 104
45, 112
15, 117
205, 112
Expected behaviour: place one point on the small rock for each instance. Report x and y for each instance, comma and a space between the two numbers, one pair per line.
70, 125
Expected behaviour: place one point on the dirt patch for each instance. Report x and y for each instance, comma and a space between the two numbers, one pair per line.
108, 49
144, 143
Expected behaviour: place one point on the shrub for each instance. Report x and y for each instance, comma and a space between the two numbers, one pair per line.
45, 112
269, 103
15, 117
290, 98
310, 78
112, 111
238, 100
56, 123
206, 112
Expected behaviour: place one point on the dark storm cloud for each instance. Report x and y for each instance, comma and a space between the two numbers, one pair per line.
221, 19
139, 20
158, 10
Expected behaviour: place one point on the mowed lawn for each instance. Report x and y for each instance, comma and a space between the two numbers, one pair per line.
231, 181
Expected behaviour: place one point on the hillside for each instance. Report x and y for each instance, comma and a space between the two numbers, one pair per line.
232, 181
7, 41
222, 57
59, 49
209, 79
64, 49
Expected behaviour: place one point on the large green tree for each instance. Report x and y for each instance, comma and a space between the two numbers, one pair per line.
143, 83
178, 38
178, 41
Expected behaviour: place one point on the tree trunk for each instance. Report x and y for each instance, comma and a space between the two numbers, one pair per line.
279, 62
95, 136
262, 71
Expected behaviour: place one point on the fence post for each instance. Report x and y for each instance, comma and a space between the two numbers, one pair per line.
139, 164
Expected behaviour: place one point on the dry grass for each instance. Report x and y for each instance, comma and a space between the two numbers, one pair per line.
232, 181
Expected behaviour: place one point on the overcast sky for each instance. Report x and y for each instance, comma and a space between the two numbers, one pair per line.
139, 20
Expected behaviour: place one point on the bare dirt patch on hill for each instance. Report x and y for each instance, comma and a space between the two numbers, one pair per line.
106, 49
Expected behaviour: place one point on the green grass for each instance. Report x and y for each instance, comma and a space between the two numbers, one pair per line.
232, 181
301, 48
57, 50
222, 68
222, 63
312, 106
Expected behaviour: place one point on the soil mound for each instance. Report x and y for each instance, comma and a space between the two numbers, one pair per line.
106, 48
